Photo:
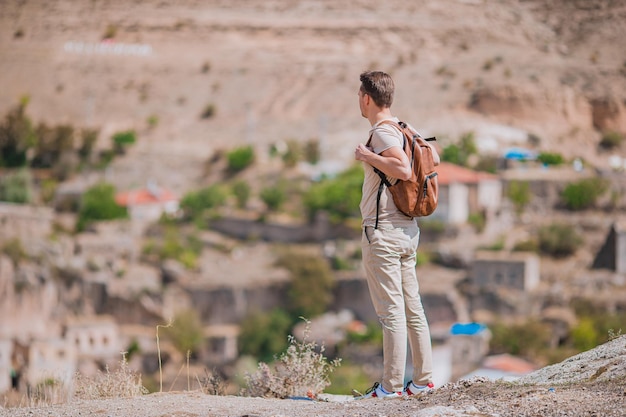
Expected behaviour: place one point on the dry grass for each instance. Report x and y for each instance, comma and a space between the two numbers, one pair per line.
122, 383
301, 371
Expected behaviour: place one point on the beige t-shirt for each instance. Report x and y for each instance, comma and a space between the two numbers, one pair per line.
384, 136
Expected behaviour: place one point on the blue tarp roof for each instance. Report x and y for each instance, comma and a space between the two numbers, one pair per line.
467, 328
520, 154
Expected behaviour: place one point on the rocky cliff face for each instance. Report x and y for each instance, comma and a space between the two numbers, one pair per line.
276, 71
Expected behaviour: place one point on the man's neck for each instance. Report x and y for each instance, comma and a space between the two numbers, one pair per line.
382, 114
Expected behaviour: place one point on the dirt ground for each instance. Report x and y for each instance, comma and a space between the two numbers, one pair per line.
592, 383
470, 398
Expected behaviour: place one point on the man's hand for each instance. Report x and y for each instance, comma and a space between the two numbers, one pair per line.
362, 152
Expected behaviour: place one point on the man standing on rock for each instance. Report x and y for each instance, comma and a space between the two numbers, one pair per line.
389, 247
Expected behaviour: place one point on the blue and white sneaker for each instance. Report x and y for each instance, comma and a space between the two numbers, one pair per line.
412, 389
377, 391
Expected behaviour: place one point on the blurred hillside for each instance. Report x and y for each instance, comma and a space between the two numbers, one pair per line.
271, 71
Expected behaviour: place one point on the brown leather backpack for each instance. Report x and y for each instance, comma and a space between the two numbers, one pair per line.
417, 196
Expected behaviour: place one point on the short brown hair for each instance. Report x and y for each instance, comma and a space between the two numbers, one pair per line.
379, 86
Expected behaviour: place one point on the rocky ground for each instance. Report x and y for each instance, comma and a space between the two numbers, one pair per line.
592, 383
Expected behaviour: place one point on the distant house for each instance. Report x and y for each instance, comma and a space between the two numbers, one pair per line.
612, 255
515, 270
463, 191
94, 337
148, 204
502, 367
470, 345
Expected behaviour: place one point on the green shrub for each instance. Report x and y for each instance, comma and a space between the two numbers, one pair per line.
478, 221
51, 144
89, 137
311, 283
339, 196
16, 187
209, 111
312, 151
293, 154
241, 190
98, 203
175, 245
196, 203
559, 240
530, 339
519, 194
548, 158
584, 335
264, 335
14, 250
611, 140
583, 194
530, 245
122, 140
459, 153
186, 332
240, 158
17, 135
273, 197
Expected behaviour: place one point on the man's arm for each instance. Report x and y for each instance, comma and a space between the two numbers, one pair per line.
392, 161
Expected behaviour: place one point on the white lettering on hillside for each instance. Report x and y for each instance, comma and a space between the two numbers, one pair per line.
107, 47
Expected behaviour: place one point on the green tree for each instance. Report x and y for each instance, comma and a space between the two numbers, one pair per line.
52, 142
17, 135
584, 335
550, 158
240, 158
264, 335
311, 283
583, 194
241, 190
186, 332
196, 203
16, 187
89, 137
273, 197
559, 240
98, 203
459, 153
338, 196
519, 194
530, 339
611, 140
122, 140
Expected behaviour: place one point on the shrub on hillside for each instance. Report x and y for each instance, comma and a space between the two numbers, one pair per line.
559, 240
240, 158
611, 140
264, 335
17, 135
519, 194
300, 371
122, 383
196, 203
583, 194
550, 158
185, 333
122, 140
16, 187
98, 203
310, 288
338, 196
241, 190
273, 197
